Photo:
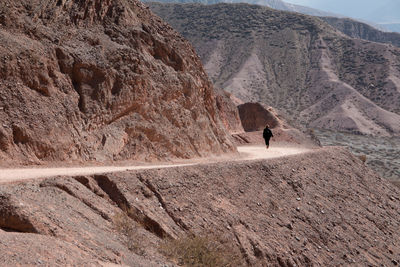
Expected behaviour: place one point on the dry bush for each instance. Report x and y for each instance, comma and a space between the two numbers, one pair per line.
129, 228
396, 183
203, 250
363, 158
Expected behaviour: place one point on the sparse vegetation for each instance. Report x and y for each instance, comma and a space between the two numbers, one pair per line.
202, 250
129, 228
283, 67
382, 153
363, 158
396, 183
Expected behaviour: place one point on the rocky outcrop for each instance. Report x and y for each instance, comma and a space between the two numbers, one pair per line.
228, 112
101, 80
254, 118
296, 63
322, 208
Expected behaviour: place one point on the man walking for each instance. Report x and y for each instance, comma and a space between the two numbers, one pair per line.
267, 134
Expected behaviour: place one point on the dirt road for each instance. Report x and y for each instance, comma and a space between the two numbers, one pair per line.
245, 153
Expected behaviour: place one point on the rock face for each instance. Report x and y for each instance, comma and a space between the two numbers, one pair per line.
318, 208
228, 112
254, 118
100, 80
296, 63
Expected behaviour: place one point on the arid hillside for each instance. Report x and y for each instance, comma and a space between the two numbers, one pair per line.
322, 208
296, 63
361, 30
100, 80
275, 4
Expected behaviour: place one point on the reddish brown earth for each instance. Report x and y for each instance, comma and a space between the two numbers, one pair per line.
100, 80
228, 112
321, 208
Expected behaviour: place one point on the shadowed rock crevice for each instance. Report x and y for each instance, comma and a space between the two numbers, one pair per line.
242, 249
70, 190
118, 198
151, 187
12, 218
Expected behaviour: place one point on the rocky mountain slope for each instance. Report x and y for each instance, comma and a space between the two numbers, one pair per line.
100, 80
356, 29
275, 4
322, 208
297, 63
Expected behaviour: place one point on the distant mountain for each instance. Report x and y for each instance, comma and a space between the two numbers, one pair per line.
391, 27
296, 63
100, 81
361, 30
275, 4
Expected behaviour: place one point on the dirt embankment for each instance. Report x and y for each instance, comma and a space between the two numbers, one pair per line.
320, 208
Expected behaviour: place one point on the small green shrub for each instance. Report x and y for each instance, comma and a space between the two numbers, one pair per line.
205, 250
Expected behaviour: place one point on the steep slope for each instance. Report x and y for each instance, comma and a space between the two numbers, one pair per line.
324, 208
275, 4
100, 80
361, 30
296, 63
254, 118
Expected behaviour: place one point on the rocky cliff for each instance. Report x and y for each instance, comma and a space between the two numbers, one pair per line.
101, 80
322, 208
297, 63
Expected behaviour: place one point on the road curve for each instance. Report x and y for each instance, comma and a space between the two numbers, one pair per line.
245, 153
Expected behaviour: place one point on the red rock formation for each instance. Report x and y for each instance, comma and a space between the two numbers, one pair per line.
228, 112
254, 118
100, 80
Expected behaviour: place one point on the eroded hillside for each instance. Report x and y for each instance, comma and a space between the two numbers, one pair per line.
361, 30
297, 63
100, 80
320, 208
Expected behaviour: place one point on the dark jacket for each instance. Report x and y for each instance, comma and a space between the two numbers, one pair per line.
267, 134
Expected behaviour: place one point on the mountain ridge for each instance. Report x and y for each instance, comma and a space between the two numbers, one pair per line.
275, 4
292, 62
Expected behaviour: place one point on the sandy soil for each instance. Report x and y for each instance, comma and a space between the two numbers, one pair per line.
245, 153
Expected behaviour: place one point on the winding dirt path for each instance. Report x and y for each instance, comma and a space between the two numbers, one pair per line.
245, 153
